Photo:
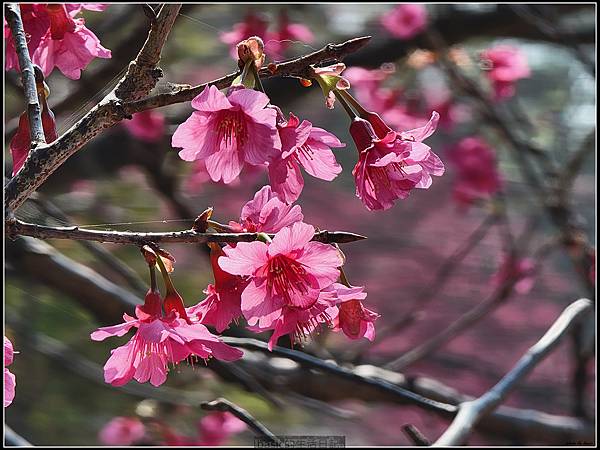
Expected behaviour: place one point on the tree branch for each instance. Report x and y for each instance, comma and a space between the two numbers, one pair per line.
298, 67
15, 227
137, 82
34, 110
225, 405
45, 159
342, 372
471, 412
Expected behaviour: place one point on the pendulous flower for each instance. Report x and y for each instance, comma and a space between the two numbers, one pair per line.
226, 131
302, 146
289, 271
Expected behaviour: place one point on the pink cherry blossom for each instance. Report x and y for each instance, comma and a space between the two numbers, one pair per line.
521, 271
122, 431
405, 20
477, 173
289, 271
36, 23
147, 126
20, 144
226, 131
216, 428
222, 304
266, 213
9, 378
391, 163
353, 318
56, 38
306, 146
199, 177
508, 64
299, 323
160, 339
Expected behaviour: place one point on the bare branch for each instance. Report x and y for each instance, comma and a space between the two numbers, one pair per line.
15, 227
471, 412
225, 405
34, 110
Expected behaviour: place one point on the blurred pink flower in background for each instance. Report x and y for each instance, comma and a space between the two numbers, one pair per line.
287, 33
253, 25
226, 131
9, 378
122, 431
477, 173
216, 428
276, 42
520, 270
507, 65
304, 146
147, 126
405, 20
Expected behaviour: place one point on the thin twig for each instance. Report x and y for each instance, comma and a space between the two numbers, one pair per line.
471, 412
297, 67
15, 227
34, 110
442, 275
225, 405
416, 436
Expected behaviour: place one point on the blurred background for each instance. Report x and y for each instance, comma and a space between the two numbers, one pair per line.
427, 262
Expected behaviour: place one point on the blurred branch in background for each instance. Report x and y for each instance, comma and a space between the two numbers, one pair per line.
472, 412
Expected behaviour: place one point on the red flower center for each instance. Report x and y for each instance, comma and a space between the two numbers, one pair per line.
288, 278
232, 128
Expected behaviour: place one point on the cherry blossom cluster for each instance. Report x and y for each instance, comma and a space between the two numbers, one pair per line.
57, 38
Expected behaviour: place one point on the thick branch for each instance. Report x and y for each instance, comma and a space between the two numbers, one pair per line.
137, 82
15, 227
471, 412
34, 110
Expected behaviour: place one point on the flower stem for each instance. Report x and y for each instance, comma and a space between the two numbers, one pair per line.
345, 104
